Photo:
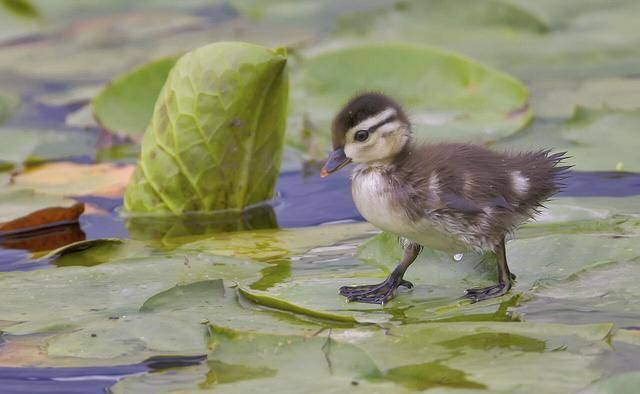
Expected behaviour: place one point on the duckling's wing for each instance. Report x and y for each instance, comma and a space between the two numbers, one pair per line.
460, 204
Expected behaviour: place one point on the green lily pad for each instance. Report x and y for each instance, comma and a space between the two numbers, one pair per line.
439, 280
604, 139
95, 251
21, 8
606, 288
126, 104
533, 40
213, 143
558, 98
622, 383
403, 359
31, 146
309, 15
449, 96
7, 104
596, 139
145, 302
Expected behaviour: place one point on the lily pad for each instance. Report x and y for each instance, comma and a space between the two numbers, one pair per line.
596, 139
439, 280
403, 359
6, 106
604, 139
25, 210
22, 146
606, 289
92, 252
533, 40
126, 104
71, 179
448, 96
621, 383
112, 296
21, 8
213, 143
558, 98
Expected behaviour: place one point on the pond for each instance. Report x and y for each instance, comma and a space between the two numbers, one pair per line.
95, 299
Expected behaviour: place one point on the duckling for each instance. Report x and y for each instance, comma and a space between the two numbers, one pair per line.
453, 197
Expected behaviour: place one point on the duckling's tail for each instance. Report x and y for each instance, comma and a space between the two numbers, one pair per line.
546, 173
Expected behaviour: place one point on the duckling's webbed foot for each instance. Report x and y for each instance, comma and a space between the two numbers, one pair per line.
484, 293
505, 280
380, 293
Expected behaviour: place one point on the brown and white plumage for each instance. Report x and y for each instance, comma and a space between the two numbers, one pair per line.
447, 196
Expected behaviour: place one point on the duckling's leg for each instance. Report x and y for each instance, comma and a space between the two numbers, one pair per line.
505, 280
383, 292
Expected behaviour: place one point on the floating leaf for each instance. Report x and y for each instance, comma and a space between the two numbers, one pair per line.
25, 210
439, 280
604, 140
7, 104
71, 179
596, 139
606, 288
448, 96
216, 135
22, 8
125, 105
88, 253
533, 40
359, 360
31, 146
626, 382
558, 98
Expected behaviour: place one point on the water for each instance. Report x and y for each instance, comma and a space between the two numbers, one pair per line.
82, 379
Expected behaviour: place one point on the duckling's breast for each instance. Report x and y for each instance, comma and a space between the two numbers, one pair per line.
373, 195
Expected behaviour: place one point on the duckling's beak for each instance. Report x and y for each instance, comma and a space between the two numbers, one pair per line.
337, 159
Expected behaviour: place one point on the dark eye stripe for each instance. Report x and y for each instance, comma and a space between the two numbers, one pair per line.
381, 123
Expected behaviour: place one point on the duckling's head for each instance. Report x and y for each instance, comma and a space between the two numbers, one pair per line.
371, 128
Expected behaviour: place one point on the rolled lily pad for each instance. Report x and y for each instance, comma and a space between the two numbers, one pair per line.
126, 104
448, 96
216, 135
26, 210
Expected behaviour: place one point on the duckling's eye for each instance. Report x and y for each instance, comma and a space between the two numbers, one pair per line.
361, 135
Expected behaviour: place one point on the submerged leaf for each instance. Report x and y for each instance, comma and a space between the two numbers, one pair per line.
125, 105
215, 138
